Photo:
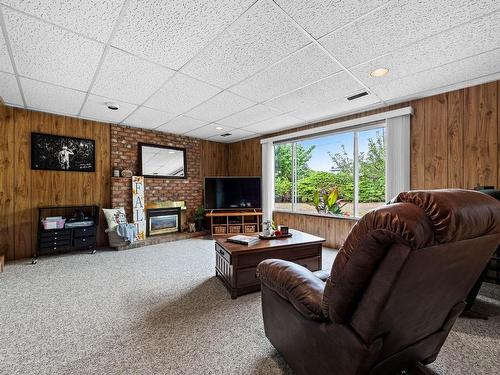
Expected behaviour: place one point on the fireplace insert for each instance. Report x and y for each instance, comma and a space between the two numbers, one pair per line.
163, 221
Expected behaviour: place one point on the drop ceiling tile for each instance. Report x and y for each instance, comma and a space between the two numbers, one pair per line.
220, 106
262, 36
208, 131
451, 45
399, 24
180, 94
95, 108
147, 118
172, 32
235, 135
275, 124
319, 17
337, 86
299, 69
466, 69
5, 64
249, 116
129, 78
92, 18
181, 125
9, 89
335, 108
50, 98
48, 53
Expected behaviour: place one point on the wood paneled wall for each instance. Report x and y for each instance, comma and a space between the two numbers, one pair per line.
455, 143
23, 190
214, 159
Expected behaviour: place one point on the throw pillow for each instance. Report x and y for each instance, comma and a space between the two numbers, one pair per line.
115, 216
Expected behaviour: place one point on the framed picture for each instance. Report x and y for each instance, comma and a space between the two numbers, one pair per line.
53, 152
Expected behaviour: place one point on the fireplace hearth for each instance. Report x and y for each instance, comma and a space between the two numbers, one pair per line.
160, 221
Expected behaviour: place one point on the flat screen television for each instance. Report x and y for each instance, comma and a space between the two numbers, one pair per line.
232, 193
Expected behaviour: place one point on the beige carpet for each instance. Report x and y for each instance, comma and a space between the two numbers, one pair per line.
160, 310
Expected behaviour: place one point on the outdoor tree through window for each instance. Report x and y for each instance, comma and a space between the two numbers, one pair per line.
336, 174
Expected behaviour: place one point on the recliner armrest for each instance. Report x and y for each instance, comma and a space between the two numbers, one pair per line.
294, 283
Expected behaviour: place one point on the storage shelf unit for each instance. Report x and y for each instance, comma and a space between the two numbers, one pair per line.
51, 241
230, 223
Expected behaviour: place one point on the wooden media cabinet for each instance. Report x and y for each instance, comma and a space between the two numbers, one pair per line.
229, 223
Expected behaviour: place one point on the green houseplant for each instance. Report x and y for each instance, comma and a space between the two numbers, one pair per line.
327, 202
199, 215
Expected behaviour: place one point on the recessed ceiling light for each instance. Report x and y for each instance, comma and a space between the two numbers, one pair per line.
380, 72
113, 106
219, 128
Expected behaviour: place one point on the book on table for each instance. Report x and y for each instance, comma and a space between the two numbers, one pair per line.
243, 240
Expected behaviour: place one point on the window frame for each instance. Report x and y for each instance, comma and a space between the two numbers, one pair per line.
355, 130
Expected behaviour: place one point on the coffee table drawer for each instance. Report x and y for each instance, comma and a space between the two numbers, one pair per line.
223, 253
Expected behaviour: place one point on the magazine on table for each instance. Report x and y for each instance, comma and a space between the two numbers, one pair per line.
243, 240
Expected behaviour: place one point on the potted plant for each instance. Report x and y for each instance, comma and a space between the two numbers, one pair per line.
328, 202
199, 214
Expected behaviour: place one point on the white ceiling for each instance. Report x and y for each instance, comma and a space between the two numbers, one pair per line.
250, 67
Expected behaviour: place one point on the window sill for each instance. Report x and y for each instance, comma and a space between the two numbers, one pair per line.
339, 217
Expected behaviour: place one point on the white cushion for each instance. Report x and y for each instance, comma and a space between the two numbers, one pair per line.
115, 216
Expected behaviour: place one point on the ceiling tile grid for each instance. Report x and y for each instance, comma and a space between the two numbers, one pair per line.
220, 106
446, 47
445, 75
250, 66
401, 23
336, 107
9, 89
262, 36
129, 78
147, 118
249, 116
180, 94
181, 125
320, 17
92, 18
275, 124
336, 86
95, 109
233, 135
172, 32
57, 99
5, 63
301, 68
48, 53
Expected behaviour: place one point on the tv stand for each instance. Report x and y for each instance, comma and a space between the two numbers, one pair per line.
223, 223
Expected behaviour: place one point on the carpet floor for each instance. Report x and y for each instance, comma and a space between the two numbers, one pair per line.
160, 310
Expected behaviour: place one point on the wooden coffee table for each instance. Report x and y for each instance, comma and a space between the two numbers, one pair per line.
236, 264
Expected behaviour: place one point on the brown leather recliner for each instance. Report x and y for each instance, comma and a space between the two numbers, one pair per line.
395, 289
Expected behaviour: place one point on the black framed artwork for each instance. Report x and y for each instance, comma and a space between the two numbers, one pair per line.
162, 161
59, 153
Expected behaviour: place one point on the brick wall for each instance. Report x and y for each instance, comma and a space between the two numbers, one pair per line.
125, 155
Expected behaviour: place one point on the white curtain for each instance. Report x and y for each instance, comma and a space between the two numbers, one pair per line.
267, 180
397, 141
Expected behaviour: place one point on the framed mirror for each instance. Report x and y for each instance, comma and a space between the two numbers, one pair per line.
162, 161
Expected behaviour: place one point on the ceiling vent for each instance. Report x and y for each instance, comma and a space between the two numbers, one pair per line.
225, 135
354, 97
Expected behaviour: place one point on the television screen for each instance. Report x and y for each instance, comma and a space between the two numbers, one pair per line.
232, 193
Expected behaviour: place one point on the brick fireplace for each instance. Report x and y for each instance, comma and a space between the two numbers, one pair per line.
157, 191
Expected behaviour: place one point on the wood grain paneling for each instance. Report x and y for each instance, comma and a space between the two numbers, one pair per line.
435, 150
417, 144
333, 230
244, 158
455, 133
7, 172
26, 189
214, 159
